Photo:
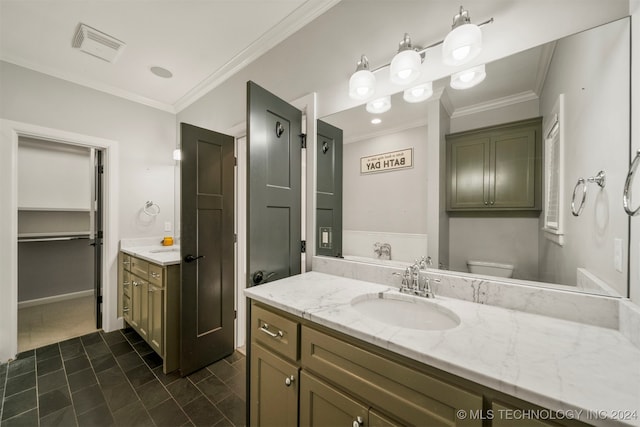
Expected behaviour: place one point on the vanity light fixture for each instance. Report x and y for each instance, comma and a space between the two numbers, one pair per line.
405, 65
380, 105
464, 42
461, 45
468, 78
362, 83
419, 93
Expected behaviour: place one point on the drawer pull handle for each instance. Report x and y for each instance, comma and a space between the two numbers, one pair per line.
125, 310
136, 284
126, 262
358, 422
126, 283
289, 380
265, 328
155, 275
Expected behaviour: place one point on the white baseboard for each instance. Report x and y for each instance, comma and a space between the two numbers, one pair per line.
55, 298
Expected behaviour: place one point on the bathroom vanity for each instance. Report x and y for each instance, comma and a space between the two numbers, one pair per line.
149, 298
312, 340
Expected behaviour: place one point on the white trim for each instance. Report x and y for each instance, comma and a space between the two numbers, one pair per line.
304, 14
9, 133
553, 132
55, 298
505, 101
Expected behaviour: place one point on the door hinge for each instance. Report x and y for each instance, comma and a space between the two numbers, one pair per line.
101, 169
235, 314
303, 246
235, 238
303, 140
235, 161
99, 299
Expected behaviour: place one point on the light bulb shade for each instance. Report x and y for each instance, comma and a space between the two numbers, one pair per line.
419, 93
462, 45
468, 78
380, 105
362, 85
177, 154
405, 67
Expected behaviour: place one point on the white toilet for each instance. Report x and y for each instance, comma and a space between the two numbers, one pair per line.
490, 268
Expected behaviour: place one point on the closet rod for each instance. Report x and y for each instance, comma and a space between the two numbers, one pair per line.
52, 239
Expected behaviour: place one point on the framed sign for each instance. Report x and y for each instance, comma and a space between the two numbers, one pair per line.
384, 162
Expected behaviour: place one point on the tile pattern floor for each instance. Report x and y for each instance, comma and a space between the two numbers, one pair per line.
115, 379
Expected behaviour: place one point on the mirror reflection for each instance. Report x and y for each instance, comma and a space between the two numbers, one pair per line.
578, 87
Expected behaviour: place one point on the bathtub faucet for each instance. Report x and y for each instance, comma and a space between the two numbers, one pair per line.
382, 250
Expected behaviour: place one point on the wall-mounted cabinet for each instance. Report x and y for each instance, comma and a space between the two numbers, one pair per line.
495, 168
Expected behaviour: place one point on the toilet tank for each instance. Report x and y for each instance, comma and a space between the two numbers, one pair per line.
490, 268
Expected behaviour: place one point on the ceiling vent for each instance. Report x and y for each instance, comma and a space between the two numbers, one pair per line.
97, 43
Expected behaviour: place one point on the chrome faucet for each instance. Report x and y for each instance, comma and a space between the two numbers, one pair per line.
413, 283
382, 250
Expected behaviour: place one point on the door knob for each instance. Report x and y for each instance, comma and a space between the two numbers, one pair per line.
260, 277
191, 258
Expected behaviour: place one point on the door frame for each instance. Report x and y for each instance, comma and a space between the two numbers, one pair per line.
10, 131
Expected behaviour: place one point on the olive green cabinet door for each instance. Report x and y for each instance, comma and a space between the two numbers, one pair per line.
322, 405
140, 302
156, 318
274, 390
513, 157
378, 420
469, 173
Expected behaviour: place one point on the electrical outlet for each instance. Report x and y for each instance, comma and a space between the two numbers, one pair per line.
167, 226
617, 254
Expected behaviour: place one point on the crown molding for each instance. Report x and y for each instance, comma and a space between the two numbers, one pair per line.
546, 55
506, 101
287, 26
91, 84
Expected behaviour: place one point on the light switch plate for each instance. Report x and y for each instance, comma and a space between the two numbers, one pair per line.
167, 226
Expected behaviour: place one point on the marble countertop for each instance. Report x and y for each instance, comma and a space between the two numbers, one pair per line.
157, 254
557, 364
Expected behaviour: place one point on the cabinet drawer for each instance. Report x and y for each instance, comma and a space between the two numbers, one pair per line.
126, 283
275, 332
126, 261
418, 398
155, 275
140, 268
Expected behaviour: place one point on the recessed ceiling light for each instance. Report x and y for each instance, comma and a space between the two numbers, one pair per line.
161, 72
376, 121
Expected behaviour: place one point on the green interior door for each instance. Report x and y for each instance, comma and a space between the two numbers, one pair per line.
207, 312
329, 190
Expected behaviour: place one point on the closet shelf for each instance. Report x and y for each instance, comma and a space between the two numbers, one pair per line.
52, 209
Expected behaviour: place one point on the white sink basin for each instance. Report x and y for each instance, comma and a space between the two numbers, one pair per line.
159, 251
405, 311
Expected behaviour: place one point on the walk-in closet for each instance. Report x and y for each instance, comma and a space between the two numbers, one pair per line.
58, 204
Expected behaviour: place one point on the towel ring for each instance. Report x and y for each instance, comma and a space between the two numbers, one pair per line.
151, 208
574, 211
599, 179
626, 194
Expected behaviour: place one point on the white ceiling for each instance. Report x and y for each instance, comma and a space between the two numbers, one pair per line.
202, 42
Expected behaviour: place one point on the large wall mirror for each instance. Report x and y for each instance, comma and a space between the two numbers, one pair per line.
582, 82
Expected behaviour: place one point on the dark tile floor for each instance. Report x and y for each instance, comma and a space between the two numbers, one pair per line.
115, 379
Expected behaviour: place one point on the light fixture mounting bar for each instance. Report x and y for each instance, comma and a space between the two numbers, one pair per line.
423, 50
